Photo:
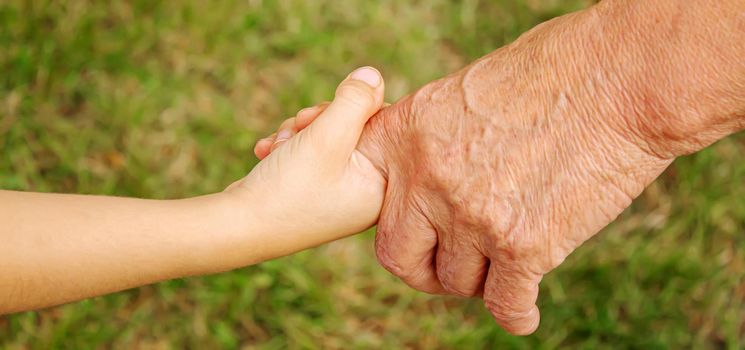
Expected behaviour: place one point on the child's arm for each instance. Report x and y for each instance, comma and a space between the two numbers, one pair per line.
58, 248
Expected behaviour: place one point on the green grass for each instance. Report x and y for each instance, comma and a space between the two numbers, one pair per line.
165, 100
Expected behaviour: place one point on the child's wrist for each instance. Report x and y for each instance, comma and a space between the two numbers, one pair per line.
224, 228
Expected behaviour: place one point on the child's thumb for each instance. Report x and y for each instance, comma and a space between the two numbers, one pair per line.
357, 98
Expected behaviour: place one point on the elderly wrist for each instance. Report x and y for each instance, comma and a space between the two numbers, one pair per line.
679, 68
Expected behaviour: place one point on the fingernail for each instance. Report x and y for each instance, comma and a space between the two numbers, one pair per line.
368, 75
304, 110
283, 135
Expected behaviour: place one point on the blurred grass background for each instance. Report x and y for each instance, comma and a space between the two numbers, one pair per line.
166, 99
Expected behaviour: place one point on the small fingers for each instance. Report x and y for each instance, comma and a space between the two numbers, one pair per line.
302, 119
267, 145
282, 136
307, 115
288, 124
263, 146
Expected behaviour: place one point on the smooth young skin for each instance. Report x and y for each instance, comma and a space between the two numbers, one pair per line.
315, 188
499, 171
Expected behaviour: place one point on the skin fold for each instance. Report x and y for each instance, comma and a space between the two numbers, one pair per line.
498, 171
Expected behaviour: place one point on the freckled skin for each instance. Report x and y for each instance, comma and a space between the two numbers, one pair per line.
498, 171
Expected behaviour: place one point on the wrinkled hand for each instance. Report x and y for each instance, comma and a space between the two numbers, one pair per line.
497, 172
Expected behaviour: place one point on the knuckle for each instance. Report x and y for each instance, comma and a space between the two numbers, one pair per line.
386, 259
414, 276
510, 296
497, 308
287, 123
504, 311
455, 283
419, 282
457, 289
555, 256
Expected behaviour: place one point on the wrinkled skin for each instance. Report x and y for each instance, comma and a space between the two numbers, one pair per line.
499, 171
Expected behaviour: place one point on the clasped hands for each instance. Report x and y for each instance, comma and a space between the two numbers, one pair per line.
481, 194
490, 177
480, 183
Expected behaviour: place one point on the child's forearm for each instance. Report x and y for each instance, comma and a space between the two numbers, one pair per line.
58, 248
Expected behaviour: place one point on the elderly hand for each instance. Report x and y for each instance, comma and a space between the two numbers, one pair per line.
499, 171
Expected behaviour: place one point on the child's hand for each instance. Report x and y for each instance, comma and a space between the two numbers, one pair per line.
289, 128
312, 186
